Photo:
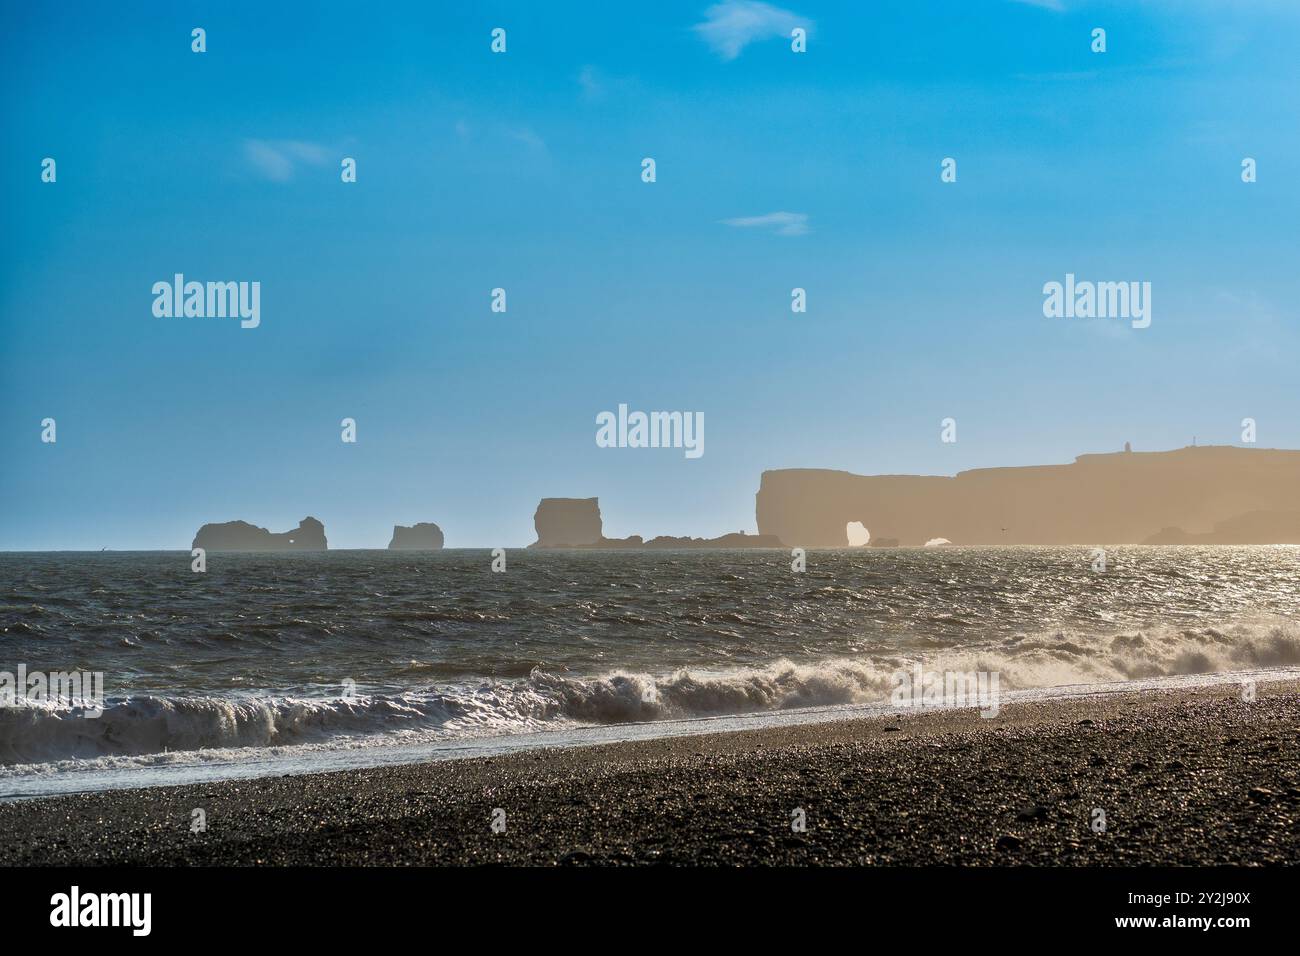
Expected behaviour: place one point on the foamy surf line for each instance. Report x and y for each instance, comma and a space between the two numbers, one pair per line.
35, 781
147, 731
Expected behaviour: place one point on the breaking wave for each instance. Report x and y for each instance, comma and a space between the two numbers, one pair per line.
145, 725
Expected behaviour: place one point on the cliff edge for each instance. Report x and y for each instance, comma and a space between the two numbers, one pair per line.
1222, 494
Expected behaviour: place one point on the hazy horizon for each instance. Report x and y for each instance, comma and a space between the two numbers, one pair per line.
522, 171
884, 517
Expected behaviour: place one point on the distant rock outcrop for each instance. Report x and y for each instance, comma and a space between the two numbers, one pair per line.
738, 539
424, 536
576, 523
242, 536
1219, 494
1255, 527
567, 522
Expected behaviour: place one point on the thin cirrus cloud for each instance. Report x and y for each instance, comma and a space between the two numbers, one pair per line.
1056, 5
278, 160
592, 82
500, 133
596, 85
780, 223
732, 25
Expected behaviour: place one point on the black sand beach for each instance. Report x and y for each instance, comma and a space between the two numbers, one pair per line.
1192, 776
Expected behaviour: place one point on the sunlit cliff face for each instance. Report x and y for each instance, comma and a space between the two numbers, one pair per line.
857, 534
1195, 495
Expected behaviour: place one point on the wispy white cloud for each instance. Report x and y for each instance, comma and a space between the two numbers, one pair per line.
592, 83
1065, 76
526, 135
1056, 5
598, 86
278, 160
781, 223
732, 25
494, 134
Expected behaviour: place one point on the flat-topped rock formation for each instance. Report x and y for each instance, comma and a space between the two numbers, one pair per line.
576, 523
242, 536
1208, 494
424, 536
567, 522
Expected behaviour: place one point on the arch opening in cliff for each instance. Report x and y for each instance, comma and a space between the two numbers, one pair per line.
857, 534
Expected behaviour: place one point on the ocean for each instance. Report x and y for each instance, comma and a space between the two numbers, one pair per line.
278, 662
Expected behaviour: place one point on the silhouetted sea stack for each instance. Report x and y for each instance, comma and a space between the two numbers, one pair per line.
425, 536
567, 522
576, 523
242, 536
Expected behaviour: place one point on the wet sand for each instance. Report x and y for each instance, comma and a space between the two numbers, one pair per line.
1187, 776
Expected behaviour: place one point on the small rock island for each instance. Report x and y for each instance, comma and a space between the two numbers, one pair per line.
425, 536
576, 523
242, 536
568, 523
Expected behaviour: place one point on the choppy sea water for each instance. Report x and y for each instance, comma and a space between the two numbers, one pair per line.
354, 657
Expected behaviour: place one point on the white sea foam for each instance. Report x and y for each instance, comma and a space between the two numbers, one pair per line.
161, 727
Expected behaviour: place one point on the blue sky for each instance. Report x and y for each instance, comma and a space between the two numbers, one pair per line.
522, 171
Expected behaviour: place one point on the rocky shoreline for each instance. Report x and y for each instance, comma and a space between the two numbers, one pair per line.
1194, 776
